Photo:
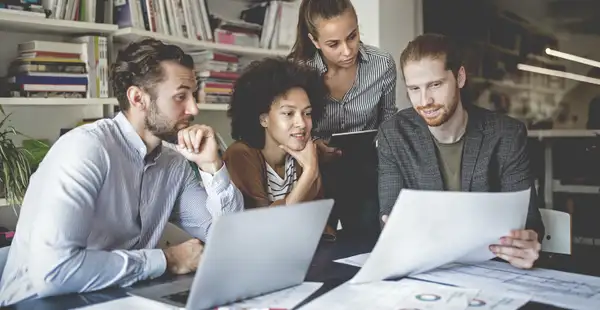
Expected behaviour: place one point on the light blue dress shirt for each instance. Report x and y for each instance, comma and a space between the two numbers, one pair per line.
96, 208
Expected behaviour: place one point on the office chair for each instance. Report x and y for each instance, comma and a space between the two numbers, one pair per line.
557, 238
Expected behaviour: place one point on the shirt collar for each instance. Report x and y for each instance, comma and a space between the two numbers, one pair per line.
363, 56
134, 140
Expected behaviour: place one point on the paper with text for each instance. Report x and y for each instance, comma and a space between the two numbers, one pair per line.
284, 299
394, 295
486, 300
132, 302
428, 229
561, 289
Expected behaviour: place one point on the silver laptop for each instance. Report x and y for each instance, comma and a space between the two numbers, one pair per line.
248, 254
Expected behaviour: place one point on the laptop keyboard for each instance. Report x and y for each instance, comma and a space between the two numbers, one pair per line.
180, 297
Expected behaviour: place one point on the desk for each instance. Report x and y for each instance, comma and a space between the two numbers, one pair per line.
323, 269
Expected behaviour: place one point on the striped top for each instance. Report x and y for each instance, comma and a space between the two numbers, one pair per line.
96, 208
278, 188
371, 99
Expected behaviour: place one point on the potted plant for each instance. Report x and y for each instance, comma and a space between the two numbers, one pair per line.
15, 168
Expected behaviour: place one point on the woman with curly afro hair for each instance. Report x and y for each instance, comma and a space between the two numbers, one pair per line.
274, 161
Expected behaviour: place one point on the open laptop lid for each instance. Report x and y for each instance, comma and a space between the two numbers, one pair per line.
258, 251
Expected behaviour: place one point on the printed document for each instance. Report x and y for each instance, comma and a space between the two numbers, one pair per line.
428, 229
561, 289
132, 302
284, 299
394, 295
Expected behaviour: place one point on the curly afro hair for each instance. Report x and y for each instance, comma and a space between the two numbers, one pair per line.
261, 83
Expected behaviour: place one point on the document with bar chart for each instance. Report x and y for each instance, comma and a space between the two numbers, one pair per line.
562, 289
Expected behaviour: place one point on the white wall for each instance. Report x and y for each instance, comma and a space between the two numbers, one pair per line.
400, 22
390, 25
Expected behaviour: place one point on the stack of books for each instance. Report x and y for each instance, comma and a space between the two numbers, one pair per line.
48, 69
76, 69
216, 73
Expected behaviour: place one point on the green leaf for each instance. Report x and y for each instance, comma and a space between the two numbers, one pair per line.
15, 168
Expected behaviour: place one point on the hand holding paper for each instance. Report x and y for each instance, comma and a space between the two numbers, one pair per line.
521, 249
427, 229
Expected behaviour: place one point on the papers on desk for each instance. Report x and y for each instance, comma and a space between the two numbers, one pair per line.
284, 299
561, 289
356, 260
428, 229
410, 294
132, 302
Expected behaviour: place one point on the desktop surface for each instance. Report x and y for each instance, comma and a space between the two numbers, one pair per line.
584, 260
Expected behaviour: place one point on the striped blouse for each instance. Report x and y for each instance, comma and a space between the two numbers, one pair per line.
277, 187
370, 101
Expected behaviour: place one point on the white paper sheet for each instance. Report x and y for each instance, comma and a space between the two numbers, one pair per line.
356, 260
428, 229
488, 300
132, 302
393, 295
566, 290
284, 299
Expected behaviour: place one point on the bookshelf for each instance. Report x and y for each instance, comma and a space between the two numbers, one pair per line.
43, 118
126, 35
213, 106
57, 102
30, 24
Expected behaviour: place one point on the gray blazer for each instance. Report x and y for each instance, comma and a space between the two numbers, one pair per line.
495, 158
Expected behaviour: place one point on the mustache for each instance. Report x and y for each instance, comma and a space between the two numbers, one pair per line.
430, 106
186, 120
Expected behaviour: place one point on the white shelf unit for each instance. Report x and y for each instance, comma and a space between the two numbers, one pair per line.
57, 101
213, 106
11, 22
17, 23
551, 185
62, 112
88, 102
126, 35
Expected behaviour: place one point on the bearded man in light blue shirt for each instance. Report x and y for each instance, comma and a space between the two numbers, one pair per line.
96, 207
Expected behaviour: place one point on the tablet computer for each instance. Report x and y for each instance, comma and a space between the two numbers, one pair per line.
358, 140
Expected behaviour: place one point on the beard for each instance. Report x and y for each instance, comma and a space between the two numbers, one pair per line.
446, 112
161, 126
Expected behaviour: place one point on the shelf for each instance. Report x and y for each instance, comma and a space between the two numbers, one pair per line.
516, 86
213, 106
56, 101
32, 24
574, 188
126, 35
563, 133
3, 202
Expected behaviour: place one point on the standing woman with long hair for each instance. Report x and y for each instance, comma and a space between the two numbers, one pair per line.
362, 84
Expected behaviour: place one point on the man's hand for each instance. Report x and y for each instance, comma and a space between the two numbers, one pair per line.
197, 143
184, 258
326, 152
521, 249
307, 157
384, 219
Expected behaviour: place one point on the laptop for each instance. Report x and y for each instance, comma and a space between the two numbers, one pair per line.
248, 254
